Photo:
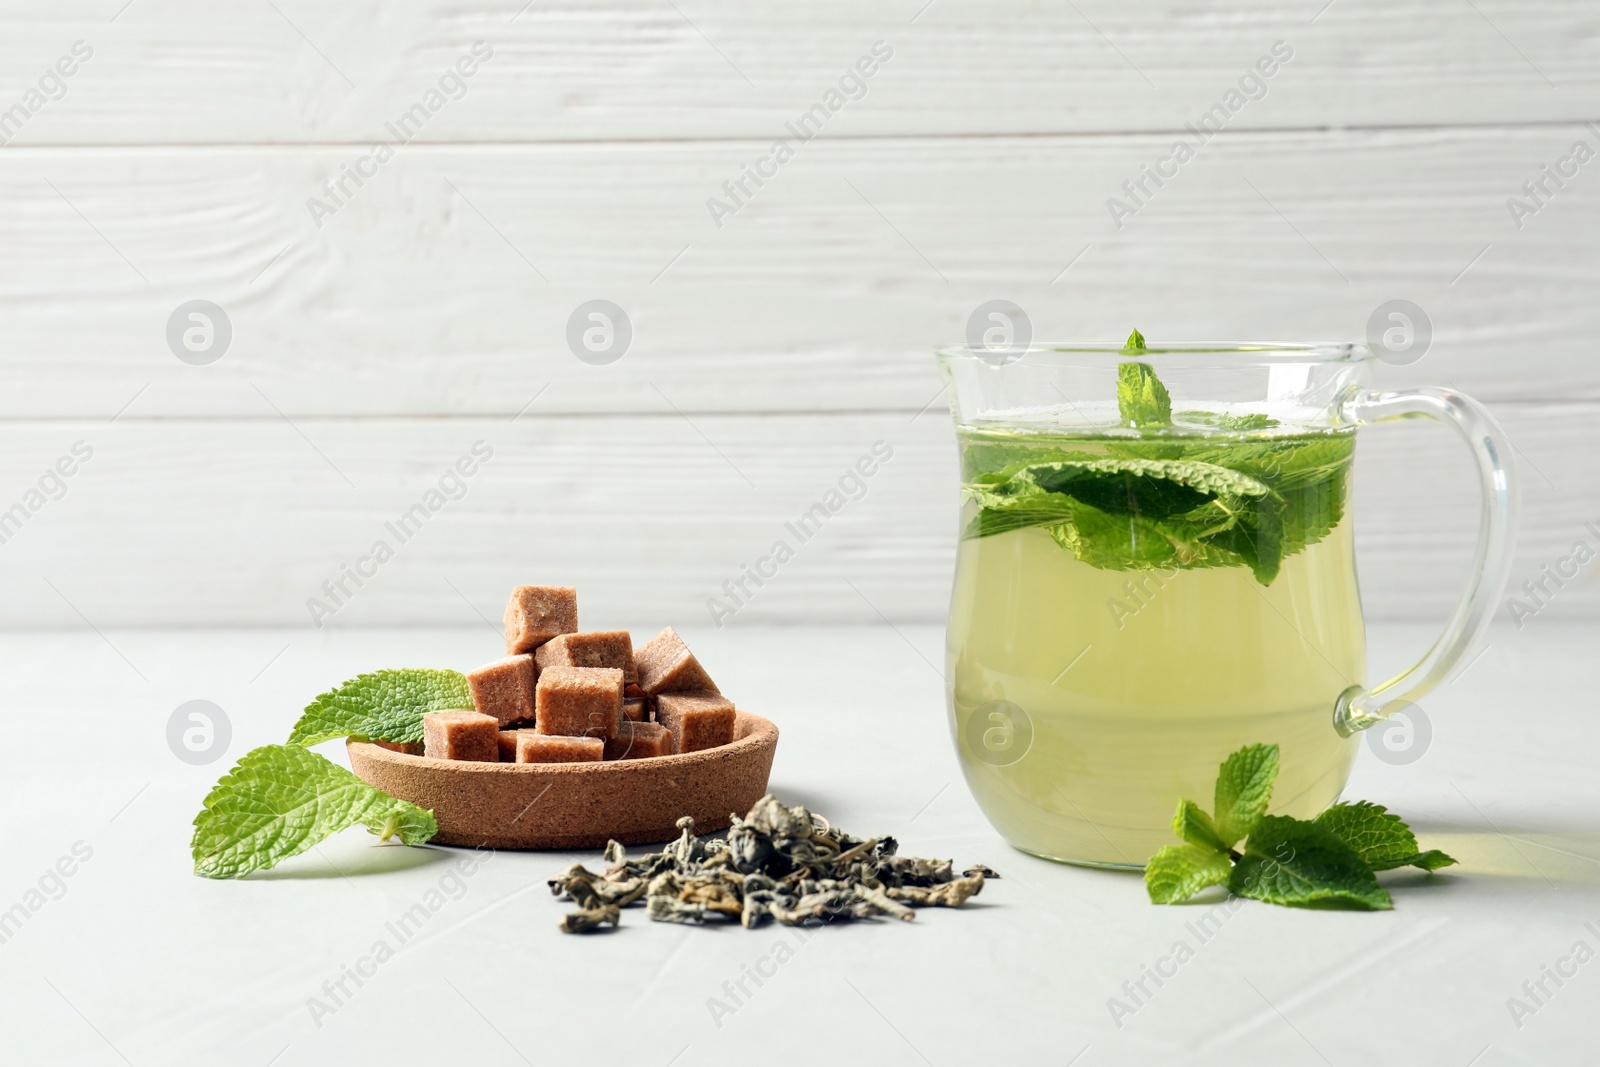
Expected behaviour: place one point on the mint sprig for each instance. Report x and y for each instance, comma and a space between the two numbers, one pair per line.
280, 800
1331, 859
381, 706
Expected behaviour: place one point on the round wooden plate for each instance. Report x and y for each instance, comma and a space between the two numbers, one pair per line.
578, 805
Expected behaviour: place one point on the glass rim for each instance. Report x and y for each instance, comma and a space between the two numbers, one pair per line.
1233, 351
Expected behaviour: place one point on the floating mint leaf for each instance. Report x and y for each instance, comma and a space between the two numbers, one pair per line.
1125, 542
1178, 872
1283, 464
1196, 827
1141, 398
1244, 788
1254, 421
1289, 861
1147, 486
280, 800
1135, 342
1152, 449
381, 706
1380, 838
1121, 513
1224, 421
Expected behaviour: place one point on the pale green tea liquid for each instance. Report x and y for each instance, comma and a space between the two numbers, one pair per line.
1133, 685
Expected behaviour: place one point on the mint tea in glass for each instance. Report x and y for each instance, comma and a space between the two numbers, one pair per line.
1157, 566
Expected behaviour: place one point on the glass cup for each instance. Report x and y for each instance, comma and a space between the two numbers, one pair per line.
1156, 567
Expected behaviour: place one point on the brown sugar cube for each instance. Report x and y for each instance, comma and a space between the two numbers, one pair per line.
696, 720
504, 689
667, 666
635, 711
579, 701
597, 648
631, 691
537, 613
410, 748
461, 735
508, 745
534, 747
640, 740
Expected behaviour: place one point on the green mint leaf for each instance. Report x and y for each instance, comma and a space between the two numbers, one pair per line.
1382, 840
994, 461
1431, 860
1289, 861
1178, 872
381, 706
1155, 488
280, 800
1135, 342
1153, 449
1307, 480
1284, 464
1379, 837
1126, 542
1257, 536
1141, 398
1195, 827
1123, 514
1244, 788
1151, 490
1224, 421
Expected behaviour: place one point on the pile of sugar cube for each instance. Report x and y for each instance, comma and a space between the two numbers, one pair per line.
561, 696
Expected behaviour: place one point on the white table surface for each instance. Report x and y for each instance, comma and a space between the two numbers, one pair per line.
140, 962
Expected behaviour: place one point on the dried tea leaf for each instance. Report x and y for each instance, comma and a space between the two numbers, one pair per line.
778, 863
591, 919
951, 894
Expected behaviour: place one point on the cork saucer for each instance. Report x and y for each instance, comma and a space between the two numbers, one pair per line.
578, 805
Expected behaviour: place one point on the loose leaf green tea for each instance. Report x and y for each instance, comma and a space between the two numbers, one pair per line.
1212, 490
381, 706
280, 800
1330, 859
776, 864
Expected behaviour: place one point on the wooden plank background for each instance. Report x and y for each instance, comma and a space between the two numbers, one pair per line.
429, 311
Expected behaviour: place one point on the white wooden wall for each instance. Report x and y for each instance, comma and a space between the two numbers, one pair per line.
769, 353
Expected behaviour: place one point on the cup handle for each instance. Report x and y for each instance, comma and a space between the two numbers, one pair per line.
1358, 708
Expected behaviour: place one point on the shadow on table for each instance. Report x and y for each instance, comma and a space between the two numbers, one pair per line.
1566, 854
378, 859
